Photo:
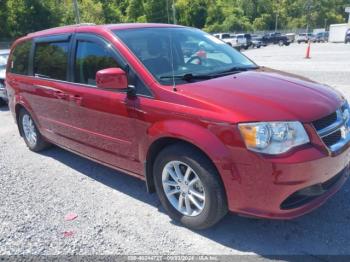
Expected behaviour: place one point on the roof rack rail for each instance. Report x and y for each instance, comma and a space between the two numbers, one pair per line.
65, 26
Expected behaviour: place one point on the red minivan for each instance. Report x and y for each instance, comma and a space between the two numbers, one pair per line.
204, 126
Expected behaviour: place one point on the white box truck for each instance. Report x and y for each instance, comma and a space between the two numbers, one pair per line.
337, 33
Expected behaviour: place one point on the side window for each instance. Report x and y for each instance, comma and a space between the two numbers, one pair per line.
51, 60
20, 58
90, 58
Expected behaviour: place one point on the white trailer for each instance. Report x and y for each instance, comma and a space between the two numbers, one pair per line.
337, 32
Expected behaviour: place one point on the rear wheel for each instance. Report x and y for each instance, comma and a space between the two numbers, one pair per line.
189, 186
30, 132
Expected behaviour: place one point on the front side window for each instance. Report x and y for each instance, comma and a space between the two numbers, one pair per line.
51, 60
91, 58
20, 58
167, 52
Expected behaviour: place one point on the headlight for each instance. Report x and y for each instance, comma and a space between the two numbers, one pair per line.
273, 137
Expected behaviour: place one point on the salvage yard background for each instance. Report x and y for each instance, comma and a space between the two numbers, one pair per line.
115, 214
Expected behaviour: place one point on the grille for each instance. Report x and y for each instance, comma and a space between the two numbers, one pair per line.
326, 121
306, 195
332, 138
334, 129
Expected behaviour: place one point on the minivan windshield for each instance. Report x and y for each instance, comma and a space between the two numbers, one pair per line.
183, 54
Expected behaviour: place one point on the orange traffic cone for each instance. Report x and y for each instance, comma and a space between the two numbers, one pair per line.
308, 51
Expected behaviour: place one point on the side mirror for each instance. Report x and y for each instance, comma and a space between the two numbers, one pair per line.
112, 78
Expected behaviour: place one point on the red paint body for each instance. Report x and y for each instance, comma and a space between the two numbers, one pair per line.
118, 131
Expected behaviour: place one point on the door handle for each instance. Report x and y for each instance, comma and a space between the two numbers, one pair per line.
76, 99
59, 95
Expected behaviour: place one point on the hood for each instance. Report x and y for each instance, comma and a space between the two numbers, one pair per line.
266, 95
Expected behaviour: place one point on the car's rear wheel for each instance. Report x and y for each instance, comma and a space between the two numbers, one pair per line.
30, 132
189, 186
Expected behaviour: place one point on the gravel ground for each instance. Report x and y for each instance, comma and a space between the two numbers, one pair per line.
117, 216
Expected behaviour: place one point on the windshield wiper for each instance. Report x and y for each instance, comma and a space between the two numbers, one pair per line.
187, 77
233, 70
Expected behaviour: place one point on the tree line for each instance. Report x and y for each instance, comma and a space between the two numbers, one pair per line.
19, 17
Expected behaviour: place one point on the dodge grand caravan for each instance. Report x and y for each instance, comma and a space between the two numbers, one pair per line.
209, 131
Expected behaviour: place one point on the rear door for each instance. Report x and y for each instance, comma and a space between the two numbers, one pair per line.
48, 68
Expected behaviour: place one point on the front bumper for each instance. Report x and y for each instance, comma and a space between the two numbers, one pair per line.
286, 187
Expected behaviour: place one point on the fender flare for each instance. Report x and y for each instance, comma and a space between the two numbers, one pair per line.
198, 136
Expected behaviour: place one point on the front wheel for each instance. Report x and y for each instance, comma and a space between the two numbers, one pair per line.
30, 132
189, 186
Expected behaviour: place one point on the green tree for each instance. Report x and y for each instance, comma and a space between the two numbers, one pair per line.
157, 11
135, 10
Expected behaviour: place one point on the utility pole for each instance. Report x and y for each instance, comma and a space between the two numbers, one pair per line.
174, 13
276, 23
76, 11
308, 7
276, 7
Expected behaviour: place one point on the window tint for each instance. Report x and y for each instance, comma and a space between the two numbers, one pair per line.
20, 58
51, 60
90, 58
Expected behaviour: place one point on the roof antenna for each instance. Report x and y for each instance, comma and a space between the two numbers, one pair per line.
171, 50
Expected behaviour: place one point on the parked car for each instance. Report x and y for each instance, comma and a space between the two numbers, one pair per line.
305, 38
210, 134
275, 38
3, 62
321, 37
257, 41
347, 37
229, 39
291, 37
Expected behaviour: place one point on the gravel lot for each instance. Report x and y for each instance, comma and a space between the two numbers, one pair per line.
117, 216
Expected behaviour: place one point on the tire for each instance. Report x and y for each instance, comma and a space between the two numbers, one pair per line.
37, 144
214, 205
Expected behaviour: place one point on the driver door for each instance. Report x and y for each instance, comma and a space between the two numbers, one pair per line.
101, 121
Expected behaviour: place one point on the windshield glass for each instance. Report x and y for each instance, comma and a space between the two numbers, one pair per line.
181, 51
3, 61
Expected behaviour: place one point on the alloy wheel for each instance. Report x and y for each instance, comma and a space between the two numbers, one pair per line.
29, 130
183, 188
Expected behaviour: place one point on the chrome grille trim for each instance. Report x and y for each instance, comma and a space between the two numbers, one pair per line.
333, 127
342, 124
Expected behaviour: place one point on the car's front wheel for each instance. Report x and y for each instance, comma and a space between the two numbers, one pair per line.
30, 132
189, 186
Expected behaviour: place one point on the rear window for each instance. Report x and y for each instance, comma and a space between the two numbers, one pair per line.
51, 60
20, 58
225, 36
